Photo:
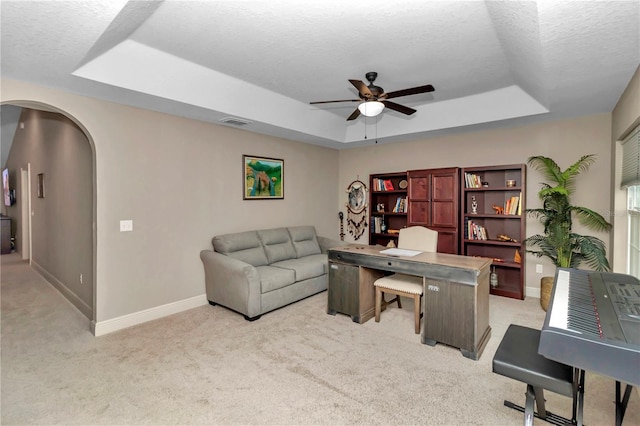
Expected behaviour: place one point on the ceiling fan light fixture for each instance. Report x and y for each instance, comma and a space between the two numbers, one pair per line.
371, 108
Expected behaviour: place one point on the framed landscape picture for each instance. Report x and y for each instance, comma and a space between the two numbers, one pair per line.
263, 178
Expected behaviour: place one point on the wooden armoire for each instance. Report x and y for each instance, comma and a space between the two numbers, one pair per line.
434, 202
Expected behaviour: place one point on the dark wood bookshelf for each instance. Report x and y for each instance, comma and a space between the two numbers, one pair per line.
494, 191
392, 220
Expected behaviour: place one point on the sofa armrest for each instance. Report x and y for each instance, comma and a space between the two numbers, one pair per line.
232, 283
327, 243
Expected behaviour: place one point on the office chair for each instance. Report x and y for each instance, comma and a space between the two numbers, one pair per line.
411, 238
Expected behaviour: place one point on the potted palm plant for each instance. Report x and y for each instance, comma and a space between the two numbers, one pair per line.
565, 248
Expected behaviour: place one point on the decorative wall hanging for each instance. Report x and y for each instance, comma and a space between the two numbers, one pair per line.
341, 217
40, 185
263, 178
356, 208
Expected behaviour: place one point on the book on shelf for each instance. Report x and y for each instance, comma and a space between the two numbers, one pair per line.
475, 231
401, 205
376, 224
472, 180
382, 184
512, 205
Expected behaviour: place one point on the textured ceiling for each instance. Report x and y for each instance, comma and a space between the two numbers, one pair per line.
491, 62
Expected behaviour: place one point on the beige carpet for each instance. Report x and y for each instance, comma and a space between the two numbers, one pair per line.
294, 366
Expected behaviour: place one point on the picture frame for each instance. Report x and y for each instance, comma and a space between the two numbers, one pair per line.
263, 178
40, 185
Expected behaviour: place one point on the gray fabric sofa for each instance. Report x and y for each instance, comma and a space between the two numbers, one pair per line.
255, 272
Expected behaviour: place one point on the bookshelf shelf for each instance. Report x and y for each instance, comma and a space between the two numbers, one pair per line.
487, 190
497, 216
493, 243
395, 191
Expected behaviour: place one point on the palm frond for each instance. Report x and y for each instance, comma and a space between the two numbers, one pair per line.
549, 169
569, 175
590, 250
591, 219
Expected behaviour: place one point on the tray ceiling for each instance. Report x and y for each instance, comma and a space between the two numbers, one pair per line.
492, 63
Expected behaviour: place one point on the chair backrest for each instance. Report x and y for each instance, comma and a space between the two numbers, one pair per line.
418, 238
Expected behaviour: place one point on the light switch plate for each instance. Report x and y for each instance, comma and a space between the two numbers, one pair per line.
126, 225
539, 269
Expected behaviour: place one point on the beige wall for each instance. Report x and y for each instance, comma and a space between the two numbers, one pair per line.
625, 118
564, 141
626, 114
180, 181
62, 245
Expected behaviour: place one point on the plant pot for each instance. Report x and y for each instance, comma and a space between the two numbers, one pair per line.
546, 285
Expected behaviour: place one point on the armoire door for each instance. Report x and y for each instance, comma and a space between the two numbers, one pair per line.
433, 202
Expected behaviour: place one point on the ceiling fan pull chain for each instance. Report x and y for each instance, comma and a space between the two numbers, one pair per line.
365, 129
377, 117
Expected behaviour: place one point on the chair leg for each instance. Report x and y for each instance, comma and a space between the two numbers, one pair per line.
540, 402
416, 312
399, 302
529, 406
378, 303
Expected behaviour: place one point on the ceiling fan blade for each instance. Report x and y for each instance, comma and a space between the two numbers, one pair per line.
355, 114
343, 100
397, 107
406, 92
362, 88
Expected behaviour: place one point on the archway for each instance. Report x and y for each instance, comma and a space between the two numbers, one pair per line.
75, 279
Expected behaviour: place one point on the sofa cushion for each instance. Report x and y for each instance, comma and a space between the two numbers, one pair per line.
304, 240
244, 246
272, 278
307, 267
277, 244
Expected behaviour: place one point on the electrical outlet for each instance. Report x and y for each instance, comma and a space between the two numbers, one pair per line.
539, 269
126, 225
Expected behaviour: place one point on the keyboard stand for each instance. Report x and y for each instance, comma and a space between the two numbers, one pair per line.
517, 358
621, 402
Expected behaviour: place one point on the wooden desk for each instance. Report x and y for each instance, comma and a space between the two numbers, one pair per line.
455, 300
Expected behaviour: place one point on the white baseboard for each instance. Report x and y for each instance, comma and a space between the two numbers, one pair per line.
71, 297
109, 326
532, 292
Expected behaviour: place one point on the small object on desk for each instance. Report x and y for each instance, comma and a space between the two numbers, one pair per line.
391, 244
400, 252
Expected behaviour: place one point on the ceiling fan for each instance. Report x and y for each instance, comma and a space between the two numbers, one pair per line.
373, 99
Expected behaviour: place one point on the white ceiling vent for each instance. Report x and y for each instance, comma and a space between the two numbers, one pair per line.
234, 121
